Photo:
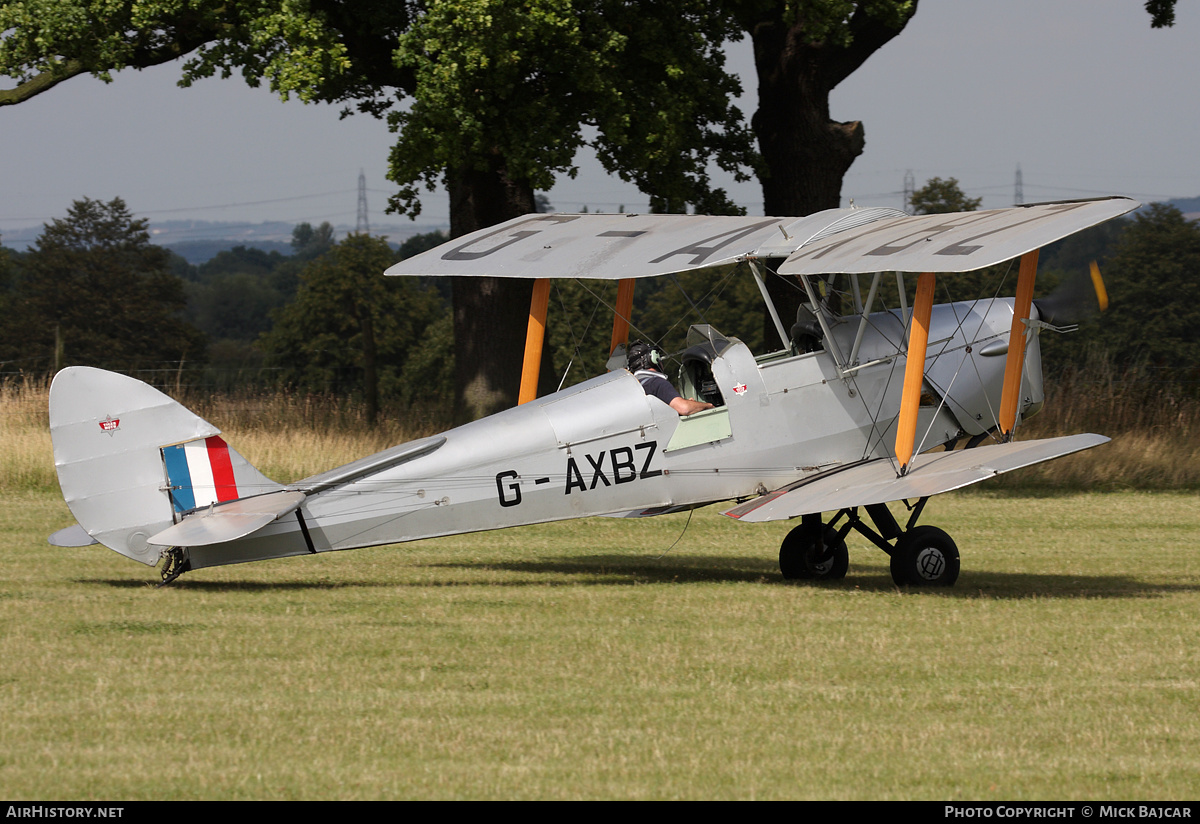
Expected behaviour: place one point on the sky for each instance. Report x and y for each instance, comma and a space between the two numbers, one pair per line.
1082, 95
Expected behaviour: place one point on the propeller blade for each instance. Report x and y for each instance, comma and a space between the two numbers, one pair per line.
1098, 285
1077, 298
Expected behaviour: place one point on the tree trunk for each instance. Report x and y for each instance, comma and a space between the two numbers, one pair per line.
805, 153
490, 314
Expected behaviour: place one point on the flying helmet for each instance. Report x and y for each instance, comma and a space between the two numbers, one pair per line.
642, 355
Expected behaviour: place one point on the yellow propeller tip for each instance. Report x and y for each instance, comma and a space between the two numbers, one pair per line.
1098, 284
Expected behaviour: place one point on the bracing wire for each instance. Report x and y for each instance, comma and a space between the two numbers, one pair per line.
686, 524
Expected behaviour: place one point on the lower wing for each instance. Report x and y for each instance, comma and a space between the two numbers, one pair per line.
876, 481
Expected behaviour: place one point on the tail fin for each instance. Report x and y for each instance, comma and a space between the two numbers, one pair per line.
130, 460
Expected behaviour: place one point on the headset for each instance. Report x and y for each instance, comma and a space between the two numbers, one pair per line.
642, 355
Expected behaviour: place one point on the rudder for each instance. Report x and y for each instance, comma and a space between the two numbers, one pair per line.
130, 459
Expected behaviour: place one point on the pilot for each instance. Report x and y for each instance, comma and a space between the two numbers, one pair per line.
645, 361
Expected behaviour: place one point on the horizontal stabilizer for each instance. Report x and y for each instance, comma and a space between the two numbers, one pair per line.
229, 521
876, 482
72, 536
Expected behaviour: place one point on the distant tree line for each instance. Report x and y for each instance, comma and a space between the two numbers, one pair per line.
94, 290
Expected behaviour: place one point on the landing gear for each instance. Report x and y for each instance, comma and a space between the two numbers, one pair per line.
922, 556
175, 563
801, 555
925, 556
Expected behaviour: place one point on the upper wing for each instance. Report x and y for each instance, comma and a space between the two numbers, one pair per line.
876, 482
613, 247
956, 242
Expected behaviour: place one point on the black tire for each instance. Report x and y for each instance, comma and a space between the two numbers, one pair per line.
797, 556
925, 556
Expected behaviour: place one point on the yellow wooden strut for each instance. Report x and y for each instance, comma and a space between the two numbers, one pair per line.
624, 310
914, 370
1015, 363
535, 335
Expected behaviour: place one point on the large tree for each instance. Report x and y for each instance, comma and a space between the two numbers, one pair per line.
803, 49
497, 98
503, 98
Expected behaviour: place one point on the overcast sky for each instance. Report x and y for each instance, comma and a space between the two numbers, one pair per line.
1082, 94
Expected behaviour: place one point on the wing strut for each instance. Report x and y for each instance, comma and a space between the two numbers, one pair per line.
914, 370
784, 337
624, 311
1014, 365
534, 337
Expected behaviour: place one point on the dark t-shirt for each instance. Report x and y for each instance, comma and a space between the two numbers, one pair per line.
656, 385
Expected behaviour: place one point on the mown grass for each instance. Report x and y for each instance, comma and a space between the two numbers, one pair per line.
577, 661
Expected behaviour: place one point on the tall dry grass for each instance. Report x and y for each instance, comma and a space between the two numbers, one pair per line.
288, 436
1154, 426
26, 457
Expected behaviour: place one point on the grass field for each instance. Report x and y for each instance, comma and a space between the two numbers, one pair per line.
576, 661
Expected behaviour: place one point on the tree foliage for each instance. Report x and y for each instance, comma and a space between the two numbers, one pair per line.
95, 291
487, 84
939, 197
352, 331
1154, 291
231, 295
518, 85
1162, 13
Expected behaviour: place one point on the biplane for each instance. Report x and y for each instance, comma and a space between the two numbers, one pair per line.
856, 406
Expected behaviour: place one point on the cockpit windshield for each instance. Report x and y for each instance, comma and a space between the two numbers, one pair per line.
706, 335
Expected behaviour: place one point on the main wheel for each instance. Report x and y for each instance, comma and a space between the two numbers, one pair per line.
798, 556
925, 556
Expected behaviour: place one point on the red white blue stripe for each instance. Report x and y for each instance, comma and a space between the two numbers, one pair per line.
199, 473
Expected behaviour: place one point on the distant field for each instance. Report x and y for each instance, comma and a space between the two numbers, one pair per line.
573, 661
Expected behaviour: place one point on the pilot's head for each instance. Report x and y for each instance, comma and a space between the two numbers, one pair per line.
642, 355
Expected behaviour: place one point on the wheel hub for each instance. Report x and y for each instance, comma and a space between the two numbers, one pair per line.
930, 564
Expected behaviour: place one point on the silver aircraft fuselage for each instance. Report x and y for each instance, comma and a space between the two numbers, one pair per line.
603, 447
